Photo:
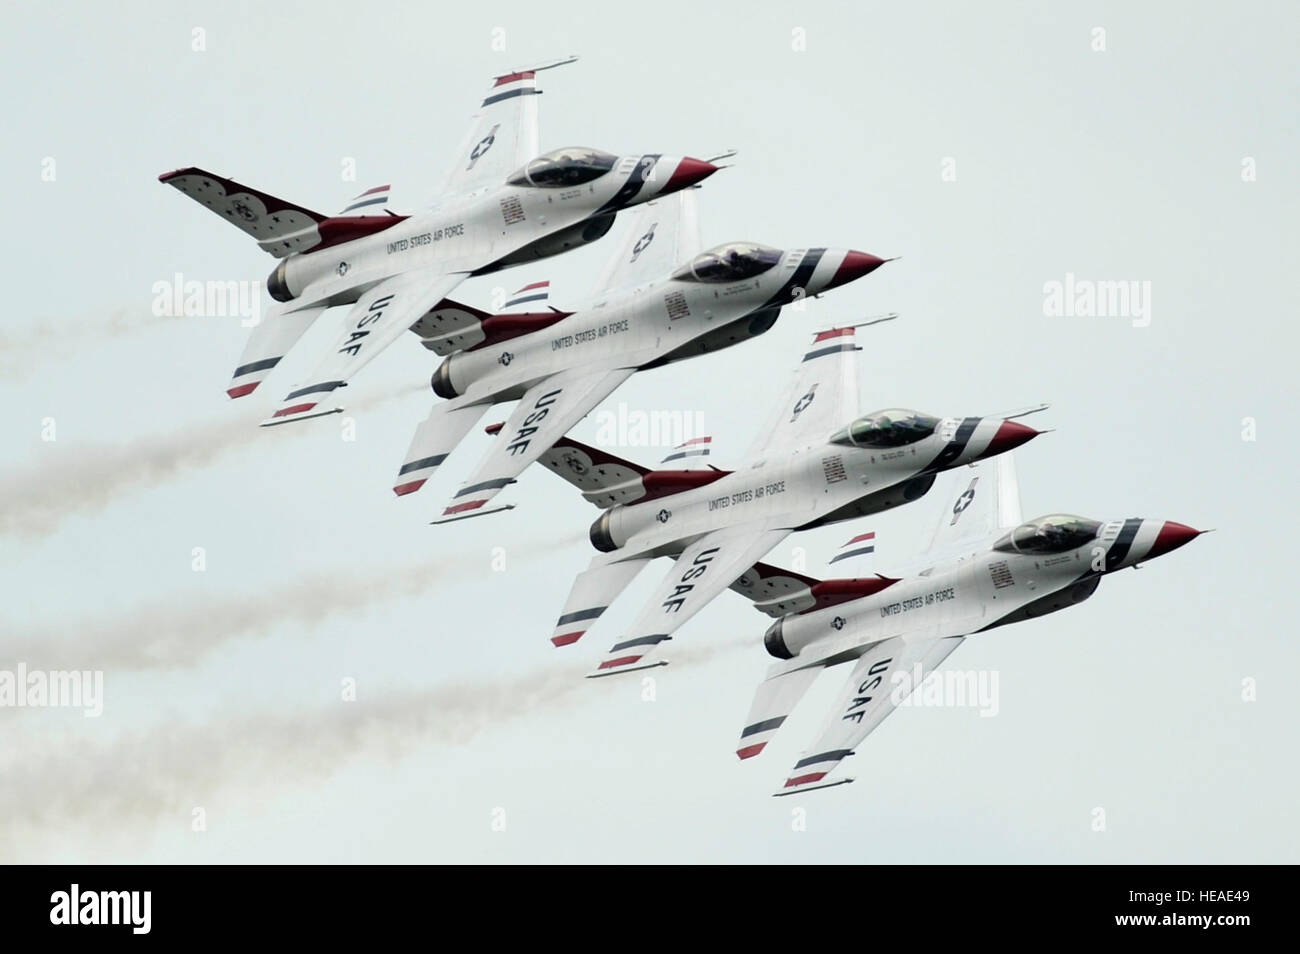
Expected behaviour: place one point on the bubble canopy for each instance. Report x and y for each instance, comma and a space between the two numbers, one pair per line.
1055, 533
561, 168
733, 262
895, 427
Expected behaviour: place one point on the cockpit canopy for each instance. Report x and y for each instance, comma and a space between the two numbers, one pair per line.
734, 262
562, 168
895, 427
1056, 533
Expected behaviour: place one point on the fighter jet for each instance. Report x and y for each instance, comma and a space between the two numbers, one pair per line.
818, 461
986, 568
501, 204
658, 300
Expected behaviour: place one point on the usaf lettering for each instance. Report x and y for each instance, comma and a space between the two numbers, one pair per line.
699, 566
373, 314
869, 685
528, 427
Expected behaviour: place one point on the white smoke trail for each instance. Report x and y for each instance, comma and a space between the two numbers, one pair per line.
158, 774
88, 478
180, 631
22, 352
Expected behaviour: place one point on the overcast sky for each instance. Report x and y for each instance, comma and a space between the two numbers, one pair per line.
222, 688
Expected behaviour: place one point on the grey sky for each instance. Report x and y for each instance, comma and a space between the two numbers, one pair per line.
1117, 165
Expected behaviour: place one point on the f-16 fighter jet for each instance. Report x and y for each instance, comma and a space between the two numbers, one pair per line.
819, 460
659, 300
501, 204
986, 567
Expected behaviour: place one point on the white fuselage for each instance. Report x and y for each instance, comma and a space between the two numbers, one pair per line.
798, 487
660, 322
976, 593
475, 233
988, 588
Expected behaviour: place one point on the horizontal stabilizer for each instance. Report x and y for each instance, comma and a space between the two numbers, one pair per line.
780, 592
279, 227
450, 326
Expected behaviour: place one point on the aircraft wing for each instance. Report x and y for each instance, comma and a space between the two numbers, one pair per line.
870, 695
378, 319
821, 398
268, 342
658, 236
503, 133
702, 571
592, 593
546, 411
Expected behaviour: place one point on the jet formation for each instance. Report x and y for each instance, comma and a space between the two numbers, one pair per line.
661, 298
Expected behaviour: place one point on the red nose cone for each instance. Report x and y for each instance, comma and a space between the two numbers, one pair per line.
688, 172
1171, 537
1010, 435
854, 266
